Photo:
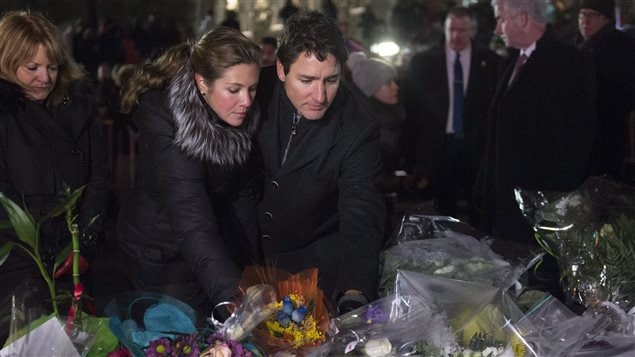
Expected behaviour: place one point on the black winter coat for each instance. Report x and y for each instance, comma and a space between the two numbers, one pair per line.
613, 53
183, 227
41, 149
324, 208
540, 134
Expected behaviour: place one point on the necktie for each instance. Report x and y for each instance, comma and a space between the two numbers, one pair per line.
520, 62
457, 106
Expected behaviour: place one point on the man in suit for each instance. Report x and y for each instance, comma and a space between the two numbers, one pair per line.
542, 119
450, 113
321, 205
613, 53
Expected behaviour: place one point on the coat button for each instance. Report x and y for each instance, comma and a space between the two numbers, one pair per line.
266, 236
75, 151
268, 215
275, 184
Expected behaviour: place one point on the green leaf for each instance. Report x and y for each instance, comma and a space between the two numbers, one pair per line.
69, 202
105, 341
5, 250
62, 255
21, 221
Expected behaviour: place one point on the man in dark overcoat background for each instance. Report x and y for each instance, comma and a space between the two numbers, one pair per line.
613, 53
446, 157
541, 126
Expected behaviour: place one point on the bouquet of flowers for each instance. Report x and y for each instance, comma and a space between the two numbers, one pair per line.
298, 324
483, 319
394, 325
591, 232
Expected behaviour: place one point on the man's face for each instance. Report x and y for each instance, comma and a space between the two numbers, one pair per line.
590, 22
458, 32
311, 85
508, 27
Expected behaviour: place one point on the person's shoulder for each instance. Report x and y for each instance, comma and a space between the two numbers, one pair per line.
486, 52
432, 53
11, 97
619, 40
356, 109
153, 97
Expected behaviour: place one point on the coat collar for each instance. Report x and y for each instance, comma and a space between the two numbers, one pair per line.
323, 134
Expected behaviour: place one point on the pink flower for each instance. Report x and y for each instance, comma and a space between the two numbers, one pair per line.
220, 350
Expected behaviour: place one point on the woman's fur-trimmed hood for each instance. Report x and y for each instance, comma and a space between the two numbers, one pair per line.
200, 132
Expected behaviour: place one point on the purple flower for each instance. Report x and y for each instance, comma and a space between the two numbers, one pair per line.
161, 347
375, 313
186, 346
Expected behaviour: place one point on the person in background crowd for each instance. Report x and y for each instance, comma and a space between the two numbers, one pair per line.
287, 10
322, 206
541, 127
450, 121
107, 93
542, 118
268, 47
185, 226
231, 20
377, 80
48, 139
613, 54
207, 23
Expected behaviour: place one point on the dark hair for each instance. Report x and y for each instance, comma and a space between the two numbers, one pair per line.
270, 40
217, 50
314, 33
21, 32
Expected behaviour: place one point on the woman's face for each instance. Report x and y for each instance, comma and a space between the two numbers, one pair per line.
38, 75
388, 93
231, 95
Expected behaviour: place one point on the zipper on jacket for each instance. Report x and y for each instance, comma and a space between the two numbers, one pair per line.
294, 127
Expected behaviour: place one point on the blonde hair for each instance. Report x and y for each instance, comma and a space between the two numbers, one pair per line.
216, 51
21, 32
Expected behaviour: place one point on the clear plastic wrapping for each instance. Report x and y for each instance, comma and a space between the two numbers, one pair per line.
591, 232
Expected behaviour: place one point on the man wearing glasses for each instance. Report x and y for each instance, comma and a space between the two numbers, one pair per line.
613, 53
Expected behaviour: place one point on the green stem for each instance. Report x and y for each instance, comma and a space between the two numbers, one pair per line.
50, 283
74, 229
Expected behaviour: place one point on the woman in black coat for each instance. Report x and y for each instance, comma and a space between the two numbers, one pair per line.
184, 227
48, 139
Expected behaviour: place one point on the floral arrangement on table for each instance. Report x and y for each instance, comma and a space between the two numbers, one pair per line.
299, 321
435, 316
293, 323
591, 233
199, 345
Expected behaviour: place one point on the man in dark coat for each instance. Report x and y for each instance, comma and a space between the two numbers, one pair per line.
448, 159
542, 118
613, 53
321, 206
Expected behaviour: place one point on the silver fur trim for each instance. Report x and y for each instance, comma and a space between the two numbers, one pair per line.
199, 132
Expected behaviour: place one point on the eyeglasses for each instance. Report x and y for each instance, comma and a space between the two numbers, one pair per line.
591, 15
